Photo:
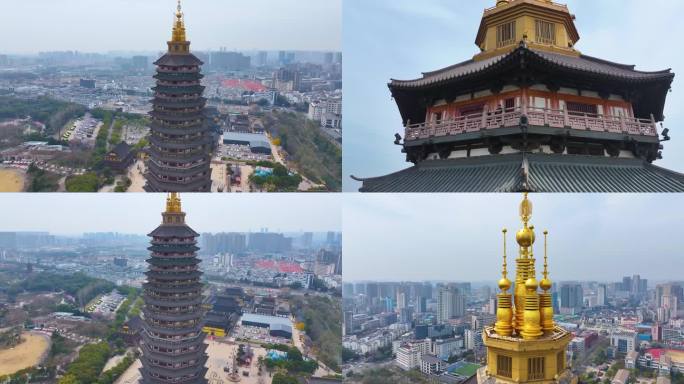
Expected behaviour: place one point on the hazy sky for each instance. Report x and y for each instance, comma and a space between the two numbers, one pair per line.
399, 39
63, 213
458, 237
30, 26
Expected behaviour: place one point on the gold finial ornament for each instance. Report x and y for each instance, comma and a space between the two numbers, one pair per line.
501, 2
178, 35
173, 203
545, 284
504, 306
545, 299
525, 236
179, 44
504, 283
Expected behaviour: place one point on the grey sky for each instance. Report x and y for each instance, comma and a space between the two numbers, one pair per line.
457, 237
140, 213
30, 26
399, 39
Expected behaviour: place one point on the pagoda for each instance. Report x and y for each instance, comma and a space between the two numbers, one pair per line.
172, 338
180, 140
525, 345
529, 112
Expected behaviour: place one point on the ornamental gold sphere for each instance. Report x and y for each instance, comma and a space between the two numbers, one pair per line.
504, 284
545, 284
531, 283
525, 237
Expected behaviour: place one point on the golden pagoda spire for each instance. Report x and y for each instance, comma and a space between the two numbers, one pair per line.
178, 35
524, 345
525, 238
504, 310
173, 203
527, 318
545, 300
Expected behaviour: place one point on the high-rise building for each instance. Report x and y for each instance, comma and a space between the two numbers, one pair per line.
670, 289
450, 303
401, 301
571, 297
269, 242
214, 243
601, 295
173, 342
180, 139
372, 290
262, 58
525, 345
229, 61
528, 99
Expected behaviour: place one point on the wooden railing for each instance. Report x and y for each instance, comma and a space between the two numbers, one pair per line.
510, 117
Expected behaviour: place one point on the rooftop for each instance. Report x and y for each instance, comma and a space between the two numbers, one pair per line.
583, 63
254, 139
265, 319
530, 172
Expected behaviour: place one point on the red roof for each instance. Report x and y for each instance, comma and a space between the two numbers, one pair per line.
280, 266
247, 85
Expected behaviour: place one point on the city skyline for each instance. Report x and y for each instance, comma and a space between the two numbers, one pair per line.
211, 24
378, 47
72, 214
591, 237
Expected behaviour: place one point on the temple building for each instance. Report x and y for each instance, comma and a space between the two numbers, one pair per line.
525, 345
529, 112
172, 338
181, 140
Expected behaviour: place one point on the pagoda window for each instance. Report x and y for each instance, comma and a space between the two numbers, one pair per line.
535, 368
509, 103
472, 110
575, 108
504, 365
539, 102
437, 117
619, 112
546, 32
505, 34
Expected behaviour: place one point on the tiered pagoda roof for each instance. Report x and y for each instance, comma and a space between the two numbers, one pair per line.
530, 172
531, 113
172, 342
181, 142
648, 89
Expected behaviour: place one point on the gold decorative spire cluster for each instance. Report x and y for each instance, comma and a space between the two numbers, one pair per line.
173, 203
178, 35
528, 314
179, 44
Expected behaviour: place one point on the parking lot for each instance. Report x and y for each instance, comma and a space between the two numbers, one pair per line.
241, 152
83, 130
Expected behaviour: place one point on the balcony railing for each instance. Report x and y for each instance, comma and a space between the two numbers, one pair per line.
510, 117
